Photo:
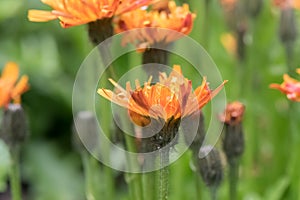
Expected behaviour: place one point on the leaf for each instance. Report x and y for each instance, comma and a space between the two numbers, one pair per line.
4, 165
277, 190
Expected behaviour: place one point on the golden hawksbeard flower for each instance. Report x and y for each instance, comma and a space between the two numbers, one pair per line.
77, 12
9, 88
170, 99
290, 87
284, 4
233, 113
176, 18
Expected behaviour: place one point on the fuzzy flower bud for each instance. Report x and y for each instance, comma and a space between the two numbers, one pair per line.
210, 167
14, 125
233, 141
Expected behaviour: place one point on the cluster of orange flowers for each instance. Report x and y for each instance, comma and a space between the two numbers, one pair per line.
10, 89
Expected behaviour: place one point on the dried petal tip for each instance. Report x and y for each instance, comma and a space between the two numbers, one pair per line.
14, 125
210, 166
233, 113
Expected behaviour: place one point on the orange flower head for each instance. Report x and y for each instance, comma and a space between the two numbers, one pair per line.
228, 5
290, 87
233, 113
175, 18
284, 4
9, 88
170, 99
77, 12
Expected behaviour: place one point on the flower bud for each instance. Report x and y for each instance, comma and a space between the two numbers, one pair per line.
195, 142
233, 141
287, 27
14, 125
210, 166
85, 131
253, 7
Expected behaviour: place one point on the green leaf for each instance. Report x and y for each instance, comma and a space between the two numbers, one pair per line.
4, 165
277, 190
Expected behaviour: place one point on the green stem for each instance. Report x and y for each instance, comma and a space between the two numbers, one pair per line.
15, 182
110, 188
206, 25
92, 190
198, 187
213, 192
87, 175
233, 179
134, 180
99, 31
294, 162
164, 175
149, 183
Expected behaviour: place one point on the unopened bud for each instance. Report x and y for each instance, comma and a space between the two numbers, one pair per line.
210, 166
233, 141
287, 29
195, 142
14, 125
85, 131
253, 7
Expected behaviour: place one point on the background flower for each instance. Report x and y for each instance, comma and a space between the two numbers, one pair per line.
176, 18
77, 12
290, 87
10, 89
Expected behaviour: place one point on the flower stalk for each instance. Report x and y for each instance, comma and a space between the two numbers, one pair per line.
164, 175
233, 142
14, 132
15, 180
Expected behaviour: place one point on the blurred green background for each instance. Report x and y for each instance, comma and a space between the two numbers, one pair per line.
51, 56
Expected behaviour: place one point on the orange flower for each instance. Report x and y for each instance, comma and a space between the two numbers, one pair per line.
229, 42
77, 12
228, 5
9, 89
176, 18
170, 99
233, 113
283, 4
290, 87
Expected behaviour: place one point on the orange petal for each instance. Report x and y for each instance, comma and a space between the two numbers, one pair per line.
41, 16
21, 87
10, 72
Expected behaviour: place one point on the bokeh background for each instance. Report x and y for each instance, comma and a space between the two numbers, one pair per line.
50, 56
